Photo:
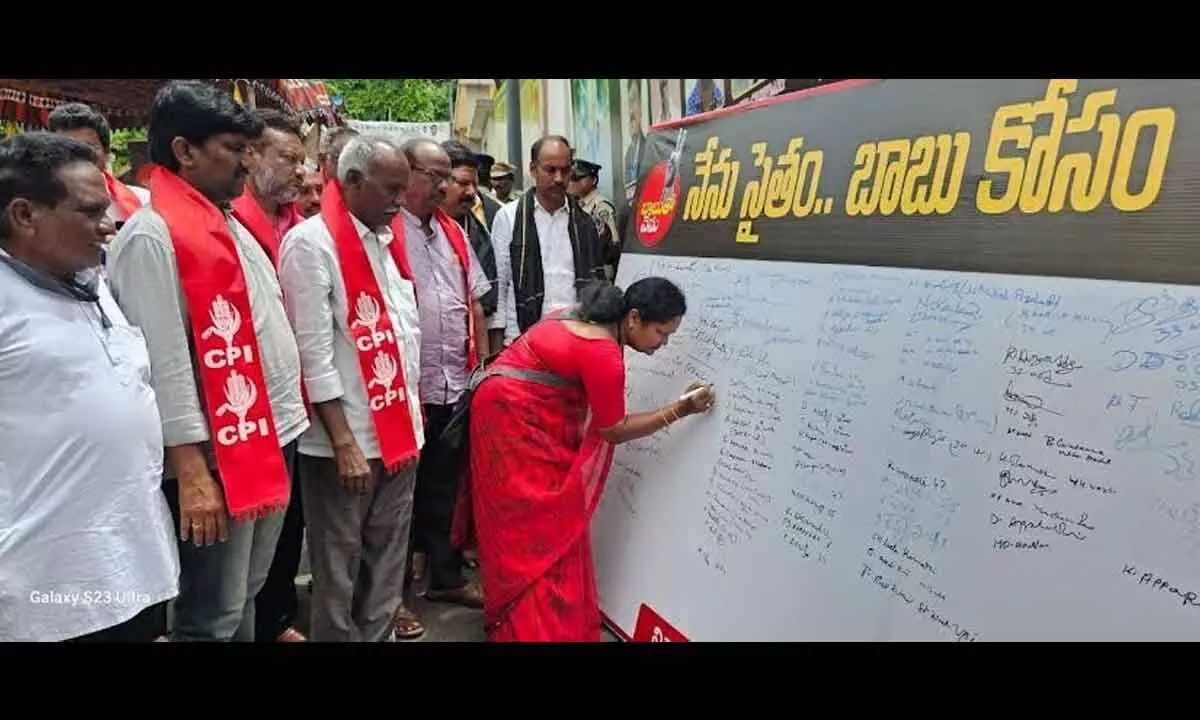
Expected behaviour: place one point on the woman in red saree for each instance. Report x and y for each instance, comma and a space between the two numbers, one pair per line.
541, 446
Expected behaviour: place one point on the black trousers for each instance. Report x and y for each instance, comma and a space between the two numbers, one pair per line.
276, 605
143, 627
438, 474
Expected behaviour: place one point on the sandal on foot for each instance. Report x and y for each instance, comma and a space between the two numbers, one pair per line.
407, 625
291, 634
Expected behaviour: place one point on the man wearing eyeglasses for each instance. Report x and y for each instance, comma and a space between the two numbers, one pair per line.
87, 551
450, 284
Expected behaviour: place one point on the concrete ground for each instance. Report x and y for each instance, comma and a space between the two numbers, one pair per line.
444, 622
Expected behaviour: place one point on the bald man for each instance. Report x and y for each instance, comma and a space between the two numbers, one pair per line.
450, 285
546, 241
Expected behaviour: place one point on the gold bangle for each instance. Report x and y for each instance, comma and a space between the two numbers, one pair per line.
665, 417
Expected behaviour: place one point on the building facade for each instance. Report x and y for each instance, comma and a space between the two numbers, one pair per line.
606, 120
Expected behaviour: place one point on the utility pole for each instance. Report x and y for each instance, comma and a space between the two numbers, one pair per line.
515, 151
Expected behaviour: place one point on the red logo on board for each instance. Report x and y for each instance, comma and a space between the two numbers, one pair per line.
651, 627
657, 202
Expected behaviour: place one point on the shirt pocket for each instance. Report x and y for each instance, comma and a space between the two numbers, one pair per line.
130, 357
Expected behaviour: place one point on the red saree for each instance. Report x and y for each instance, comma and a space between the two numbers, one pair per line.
536, 472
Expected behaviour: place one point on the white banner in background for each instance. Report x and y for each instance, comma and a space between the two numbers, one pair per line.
401, 132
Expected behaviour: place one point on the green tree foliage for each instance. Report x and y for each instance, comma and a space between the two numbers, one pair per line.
418, 100
119, 151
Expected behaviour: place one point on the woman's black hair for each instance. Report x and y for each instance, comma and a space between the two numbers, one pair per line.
656, 299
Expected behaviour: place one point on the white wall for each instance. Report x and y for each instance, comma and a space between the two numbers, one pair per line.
558, 107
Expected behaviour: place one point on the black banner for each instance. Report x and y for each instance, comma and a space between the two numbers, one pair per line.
1080, 178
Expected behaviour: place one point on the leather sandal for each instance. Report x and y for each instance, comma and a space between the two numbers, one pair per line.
406, 624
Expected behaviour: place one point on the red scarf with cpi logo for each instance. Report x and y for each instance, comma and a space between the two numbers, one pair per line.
370, 326
458, 243
249, 460
124, 198
251, 215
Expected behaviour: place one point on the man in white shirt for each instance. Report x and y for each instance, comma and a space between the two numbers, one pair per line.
82, 123
226, 366
353, 306
546, 246
86, 549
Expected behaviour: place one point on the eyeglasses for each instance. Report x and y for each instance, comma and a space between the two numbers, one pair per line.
436, 175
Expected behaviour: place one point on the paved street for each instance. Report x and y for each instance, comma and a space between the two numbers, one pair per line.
443, 622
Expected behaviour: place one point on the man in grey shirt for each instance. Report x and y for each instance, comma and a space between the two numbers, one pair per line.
201, 135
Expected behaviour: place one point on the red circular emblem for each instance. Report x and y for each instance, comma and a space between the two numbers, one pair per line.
656, 205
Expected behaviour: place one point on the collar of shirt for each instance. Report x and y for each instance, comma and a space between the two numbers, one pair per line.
414, 222
478, 211
83, 286
537, 205
286, 218
384, 234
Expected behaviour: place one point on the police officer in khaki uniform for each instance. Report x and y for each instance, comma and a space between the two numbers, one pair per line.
503, 178
585, 176
486, 205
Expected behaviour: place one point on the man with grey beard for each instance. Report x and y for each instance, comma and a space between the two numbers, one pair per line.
276, 175
266, 208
